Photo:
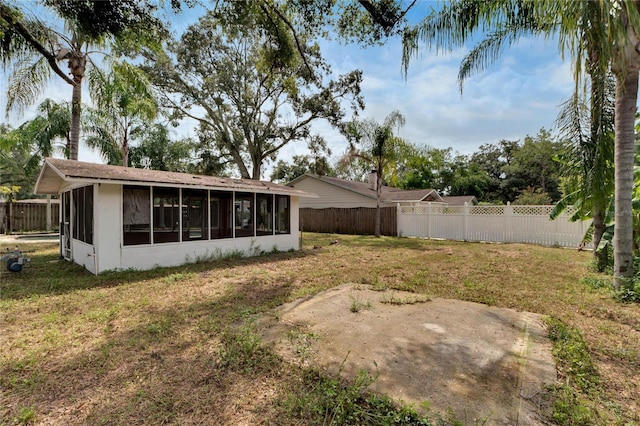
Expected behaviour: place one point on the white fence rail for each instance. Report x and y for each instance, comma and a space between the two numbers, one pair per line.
499, 224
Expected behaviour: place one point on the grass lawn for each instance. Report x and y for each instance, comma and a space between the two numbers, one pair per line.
163, 346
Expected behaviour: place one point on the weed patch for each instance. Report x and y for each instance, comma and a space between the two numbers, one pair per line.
177, 277
357, 305
572, 399
395, 299
321, 399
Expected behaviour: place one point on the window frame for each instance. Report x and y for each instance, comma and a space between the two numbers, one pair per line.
136, 236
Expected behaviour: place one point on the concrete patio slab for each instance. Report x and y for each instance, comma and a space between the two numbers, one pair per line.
482, 364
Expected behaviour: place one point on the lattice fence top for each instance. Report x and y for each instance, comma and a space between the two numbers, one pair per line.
439, 209
486, 210
532, 210
413, 209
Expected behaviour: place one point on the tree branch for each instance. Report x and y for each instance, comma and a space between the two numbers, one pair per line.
293, 32
5, 13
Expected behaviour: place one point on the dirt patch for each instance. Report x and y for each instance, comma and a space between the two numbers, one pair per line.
481, 363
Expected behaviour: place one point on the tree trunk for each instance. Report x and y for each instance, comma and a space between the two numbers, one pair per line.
625, 111
255, 172
378, 191
600, 257
77, 65
74, 134
125, 152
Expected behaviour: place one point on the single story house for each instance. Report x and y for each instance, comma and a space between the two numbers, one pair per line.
114, 218
341, 193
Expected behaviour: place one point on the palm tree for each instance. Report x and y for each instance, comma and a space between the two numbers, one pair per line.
52, 124
378, 148
602, 34
124, 100
588, 162
35, 50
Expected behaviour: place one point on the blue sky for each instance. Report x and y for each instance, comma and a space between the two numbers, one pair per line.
517, 96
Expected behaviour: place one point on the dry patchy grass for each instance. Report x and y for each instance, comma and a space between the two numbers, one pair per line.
147, 347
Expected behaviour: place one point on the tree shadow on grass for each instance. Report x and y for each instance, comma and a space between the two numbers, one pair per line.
168, 366
49, 275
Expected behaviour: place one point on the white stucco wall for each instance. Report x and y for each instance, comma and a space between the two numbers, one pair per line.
144, 257
107, 219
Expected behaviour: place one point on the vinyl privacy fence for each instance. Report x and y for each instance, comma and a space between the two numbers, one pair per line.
500, 224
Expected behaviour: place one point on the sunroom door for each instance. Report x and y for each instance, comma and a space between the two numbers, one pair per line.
65, 226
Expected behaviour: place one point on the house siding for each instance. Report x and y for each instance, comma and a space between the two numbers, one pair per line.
331, 196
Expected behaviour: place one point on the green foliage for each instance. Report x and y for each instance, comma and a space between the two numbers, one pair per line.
321, 399
374, 144
629, 291
597, 282
241, 349
26, 416
17, 178
572, 354
124, 102
372, 22
357, 305
155, 150
531, 196
98, 18
582, 382
173, 278
496, 173
36, 50
237, 69
316, 163
568, 409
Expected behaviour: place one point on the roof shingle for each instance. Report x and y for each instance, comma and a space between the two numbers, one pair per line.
57, 171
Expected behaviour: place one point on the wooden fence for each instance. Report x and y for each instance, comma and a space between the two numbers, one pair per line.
504, 224
360, 220
25, 216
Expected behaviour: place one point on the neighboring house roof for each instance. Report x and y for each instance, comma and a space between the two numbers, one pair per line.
56, 172
388, 194
460, 200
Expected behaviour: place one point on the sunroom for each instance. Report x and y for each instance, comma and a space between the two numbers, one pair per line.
115, 218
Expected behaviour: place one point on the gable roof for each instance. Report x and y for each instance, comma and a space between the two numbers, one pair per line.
388, 194
460, 200
57, 172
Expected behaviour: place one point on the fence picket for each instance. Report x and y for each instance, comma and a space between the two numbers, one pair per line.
504, 224
359, 221
28, 216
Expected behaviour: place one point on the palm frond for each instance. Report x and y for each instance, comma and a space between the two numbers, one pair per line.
27, 83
